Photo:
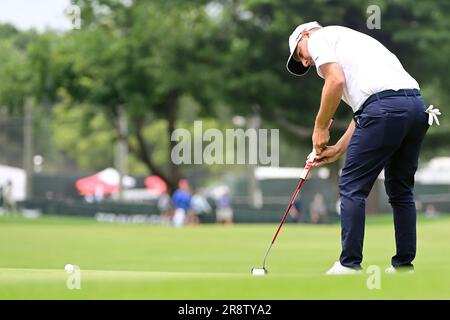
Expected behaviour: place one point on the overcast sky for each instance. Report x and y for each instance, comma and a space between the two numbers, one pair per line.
39, 14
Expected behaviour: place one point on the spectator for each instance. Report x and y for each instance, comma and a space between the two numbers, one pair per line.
181, 201
8, 200
431, 211
296, 210
224, 210
318, 209
199, 207
165, 209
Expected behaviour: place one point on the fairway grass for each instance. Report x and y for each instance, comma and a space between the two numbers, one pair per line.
210, 261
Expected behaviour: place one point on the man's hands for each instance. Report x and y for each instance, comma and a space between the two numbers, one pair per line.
320, 139
328, 155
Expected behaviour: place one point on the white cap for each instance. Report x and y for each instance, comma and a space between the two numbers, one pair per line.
293, 66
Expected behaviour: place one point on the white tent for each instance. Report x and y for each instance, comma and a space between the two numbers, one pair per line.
18, 179
437, 171
267, 173
264, 173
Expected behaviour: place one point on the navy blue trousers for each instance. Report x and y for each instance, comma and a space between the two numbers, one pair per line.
388, 134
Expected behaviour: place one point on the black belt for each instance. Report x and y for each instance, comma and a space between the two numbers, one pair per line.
385, 94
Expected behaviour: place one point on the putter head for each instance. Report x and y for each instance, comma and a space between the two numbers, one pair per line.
259, 271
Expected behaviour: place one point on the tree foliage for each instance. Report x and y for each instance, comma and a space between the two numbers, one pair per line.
149, 56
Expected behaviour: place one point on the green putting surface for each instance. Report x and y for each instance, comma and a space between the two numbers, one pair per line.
210, 261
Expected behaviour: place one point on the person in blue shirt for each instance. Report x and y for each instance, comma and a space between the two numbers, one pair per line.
181, 201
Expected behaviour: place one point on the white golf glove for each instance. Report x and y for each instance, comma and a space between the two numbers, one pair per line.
432, 115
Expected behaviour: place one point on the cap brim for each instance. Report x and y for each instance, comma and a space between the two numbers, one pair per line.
295, 67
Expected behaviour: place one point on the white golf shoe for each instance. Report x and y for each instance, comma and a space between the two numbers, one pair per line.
392, 270
339, 269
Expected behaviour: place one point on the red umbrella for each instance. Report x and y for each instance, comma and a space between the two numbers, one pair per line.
104, 182
156, 185
93, 185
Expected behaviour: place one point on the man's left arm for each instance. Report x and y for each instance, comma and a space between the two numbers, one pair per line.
331, 97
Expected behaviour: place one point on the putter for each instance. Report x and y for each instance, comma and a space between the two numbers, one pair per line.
263, 271
306, 170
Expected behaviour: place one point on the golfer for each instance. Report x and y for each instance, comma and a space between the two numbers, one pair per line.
386, 132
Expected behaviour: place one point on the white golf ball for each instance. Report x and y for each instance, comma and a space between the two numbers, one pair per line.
68, 267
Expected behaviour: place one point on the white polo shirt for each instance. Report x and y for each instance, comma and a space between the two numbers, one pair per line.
368, 66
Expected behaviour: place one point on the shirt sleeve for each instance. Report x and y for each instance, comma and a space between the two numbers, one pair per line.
321, 50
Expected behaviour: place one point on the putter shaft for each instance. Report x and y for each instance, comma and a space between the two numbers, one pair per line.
305, 174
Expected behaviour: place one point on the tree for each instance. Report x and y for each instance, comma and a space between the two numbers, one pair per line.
145, 63
23, 75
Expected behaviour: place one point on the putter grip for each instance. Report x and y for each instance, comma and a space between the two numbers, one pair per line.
306, 171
